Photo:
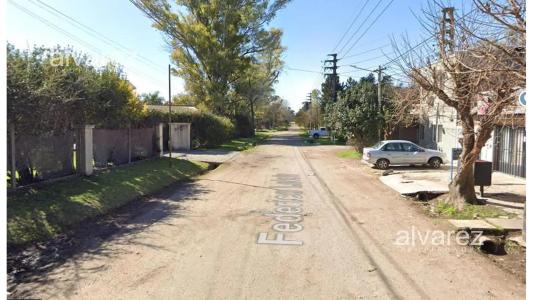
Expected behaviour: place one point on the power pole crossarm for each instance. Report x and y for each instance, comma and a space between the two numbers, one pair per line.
333, 75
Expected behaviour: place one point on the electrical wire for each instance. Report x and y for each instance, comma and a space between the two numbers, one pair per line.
70, 35
351, 25
360, 26
368, 28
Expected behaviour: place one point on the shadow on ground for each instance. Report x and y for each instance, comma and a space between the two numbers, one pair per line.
37, 262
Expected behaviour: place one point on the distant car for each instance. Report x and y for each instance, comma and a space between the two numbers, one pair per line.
316, 133
400, 152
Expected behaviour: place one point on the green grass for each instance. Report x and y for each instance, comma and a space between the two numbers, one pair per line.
303, 134
350, 154
40, 213
241, 144
470, 211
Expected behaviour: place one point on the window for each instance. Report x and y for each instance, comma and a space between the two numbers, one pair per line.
392, 147
408, 147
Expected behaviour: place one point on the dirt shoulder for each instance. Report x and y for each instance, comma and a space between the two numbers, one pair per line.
384, 213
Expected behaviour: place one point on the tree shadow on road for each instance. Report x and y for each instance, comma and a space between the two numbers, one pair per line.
39, 263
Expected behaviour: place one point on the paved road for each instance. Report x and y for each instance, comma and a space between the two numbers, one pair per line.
280, 222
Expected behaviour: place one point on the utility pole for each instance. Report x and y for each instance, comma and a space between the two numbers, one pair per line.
169, 117
380, 97
333, 75
310, 110
447, 31
379, 71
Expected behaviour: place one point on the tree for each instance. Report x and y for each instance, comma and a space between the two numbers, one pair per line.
214, 42
477, 72
356, 113
256, 84
52, 90
276, 114
152, 98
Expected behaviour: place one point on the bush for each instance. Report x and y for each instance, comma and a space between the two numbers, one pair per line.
243, 126
207, 129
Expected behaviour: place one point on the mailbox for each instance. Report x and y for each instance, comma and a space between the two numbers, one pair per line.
482, 174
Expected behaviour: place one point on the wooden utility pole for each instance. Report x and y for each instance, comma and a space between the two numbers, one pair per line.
169, 118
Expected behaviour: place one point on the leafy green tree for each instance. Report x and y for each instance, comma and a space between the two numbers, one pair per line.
214, 43
356, 113
276, 114
255, 86
50, 90
153, 98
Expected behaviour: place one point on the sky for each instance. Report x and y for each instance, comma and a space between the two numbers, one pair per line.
115, 30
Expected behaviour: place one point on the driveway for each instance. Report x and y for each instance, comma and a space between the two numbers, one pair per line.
286, 221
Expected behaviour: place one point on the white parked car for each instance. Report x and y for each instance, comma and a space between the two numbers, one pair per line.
400, 152
316, 133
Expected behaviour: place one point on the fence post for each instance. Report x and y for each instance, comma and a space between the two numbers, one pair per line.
129, 144
85, 150
159, 137
13, 158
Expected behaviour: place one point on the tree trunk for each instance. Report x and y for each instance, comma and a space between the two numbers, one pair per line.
252, 114
462, 187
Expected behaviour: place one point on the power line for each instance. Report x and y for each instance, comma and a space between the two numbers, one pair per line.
303, 70
422, 42
95, 33
368, 28
367, 60
68, 34
350, 27
360, 26
367, 51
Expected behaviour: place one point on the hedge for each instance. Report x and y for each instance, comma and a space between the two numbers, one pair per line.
207, 129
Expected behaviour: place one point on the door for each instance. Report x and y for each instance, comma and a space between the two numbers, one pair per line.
510, 150
412, 154
393, 152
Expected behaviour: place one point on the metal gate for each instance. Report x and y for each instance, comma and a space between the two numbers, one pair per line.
510, 150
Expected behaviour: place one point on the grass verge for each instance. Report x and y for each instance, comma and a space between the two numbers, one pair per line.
241, 144
469, 211
350, 154
40, 213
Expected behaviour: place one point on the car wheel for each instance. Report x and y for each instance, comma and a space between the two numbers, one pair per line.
316, 136
435, 162
382, 164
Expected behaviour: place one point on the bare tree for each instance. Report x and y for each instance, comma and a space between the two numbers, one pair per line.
477, 69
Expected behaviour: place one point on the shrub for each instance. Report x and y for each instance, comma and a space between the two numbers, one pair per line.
243, 126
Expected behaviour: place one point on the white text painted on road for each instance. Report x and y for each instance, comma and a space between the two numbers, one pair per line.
288, 211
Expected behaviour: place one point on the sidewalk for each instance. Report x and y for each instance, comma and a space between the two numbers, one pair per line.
215, 156
506, 191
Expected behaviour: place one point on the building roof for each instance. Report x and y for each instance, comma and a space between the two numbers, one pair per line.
173, 107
